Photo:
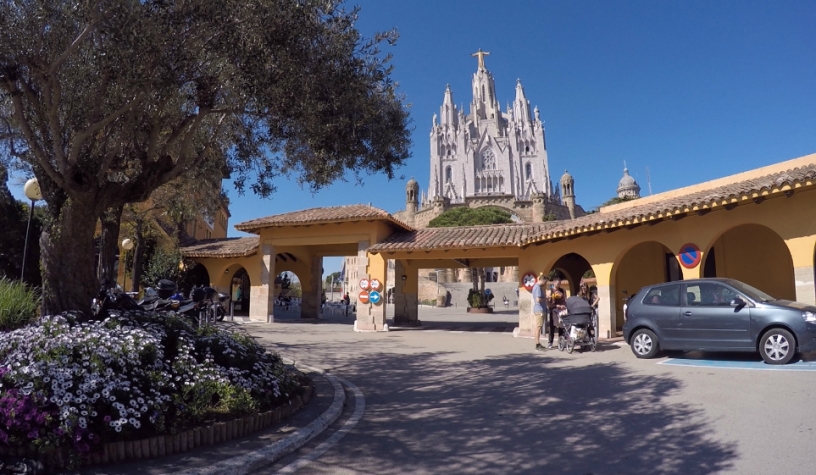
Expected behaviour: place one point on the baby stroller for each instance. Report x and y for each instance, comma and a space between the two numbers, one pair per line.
578, 325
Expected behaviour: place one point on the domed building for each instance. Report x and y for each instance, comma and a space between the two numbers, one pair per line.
628, 187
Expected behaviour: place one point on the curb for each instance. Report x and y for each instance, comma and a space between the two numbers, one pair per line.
246, 463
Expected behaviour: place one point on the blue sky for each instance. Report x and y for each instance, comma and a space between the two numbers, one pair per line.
693, 90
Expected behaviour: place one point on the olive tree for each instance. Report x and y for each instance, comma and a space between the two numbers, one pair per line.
107, 101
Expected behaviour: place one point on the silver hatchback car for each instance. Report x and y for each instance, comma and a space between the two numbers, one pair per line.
717, 315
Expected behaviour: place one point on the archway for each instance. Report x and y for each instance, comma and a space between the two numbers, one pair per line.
756, 255
572, 267
644, 264
195, 276
240, 286
288, 294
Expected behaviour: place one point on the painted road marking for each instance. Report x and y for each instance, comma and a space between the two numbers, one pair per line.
805, 364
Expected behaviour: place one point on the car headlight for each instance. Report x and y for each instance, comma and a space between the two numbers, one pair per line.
809, 317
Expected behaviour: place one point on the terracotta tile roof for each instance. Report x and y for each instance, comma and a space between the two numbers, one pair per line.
701, 202
462, 237
228, 247
333, 214
722, 197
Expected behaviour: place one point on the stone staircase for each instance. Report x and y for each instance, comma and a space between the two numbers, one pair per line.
459, 291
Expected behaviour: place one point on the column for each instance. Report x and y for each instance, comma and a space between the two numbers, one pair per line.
450, 276
371, 317
262, 297
406, 291
312, 288
802, 255
525, 312
607, 310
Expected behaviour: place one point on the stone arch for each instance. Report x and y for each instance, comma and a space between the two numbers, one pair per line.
240, 286
572, 267
645, 263
195, 276
754, 254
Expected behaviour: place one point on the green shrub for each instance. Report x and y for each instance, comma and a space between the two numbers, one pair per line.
19, 304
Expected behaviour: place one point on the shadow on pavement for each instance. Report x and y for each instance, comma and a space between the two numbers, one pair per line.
431, 413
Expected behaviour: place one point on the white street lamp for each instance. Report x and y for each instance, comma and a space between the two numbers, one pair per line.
127, 245
32, 192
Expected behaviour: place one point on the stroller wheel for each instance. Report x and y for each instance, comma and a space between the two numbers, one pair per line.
570, 345
561, 343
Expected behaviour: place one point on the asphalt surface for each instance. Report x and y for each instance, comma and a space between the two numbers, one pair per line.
471, 402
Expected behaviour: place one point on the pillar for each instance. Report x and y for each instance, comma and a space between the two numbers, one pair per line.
450, 275
262, 297
312, 289
802, 255
467, 275
607, 312
406, 294
371, 317
525, 312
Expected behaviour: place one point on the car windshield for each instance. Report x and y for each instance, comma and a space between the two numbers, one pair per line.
752, 292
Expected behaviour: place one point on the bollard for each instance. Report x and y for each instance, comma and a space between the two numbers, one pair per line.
232, 311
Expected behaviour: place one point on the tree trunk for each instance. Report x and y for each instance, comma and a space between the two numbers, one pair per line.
109, 245
137, 257
67, 257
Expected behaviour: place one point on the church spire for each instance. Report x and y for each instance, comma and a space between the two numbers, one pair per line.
521, 106
448, 113
485, 105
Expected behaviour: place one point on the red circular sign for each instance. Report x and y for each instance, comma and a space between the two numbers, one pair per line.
363, 297
528, 281
364, 284
375, 284
690, 256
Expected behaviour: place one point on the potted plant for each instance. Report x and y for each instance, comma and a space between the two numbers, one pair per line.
479, 302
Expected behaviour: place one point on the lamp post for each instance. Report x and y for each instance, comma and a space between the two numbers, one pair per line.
32, 192
127, 245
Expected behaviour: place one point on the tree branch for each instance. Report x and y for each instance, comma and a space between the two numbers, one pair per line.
52, 69
83, 136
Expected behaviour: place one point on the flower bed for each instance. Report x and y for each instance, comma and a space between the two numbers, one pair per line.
68, 390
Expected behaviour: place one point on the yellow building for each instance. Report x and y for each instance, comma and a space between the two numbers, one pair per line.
757, 227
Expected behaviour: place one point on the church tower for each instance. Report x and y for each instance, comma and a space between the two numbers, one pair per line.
411, 200
568, 192
487, 153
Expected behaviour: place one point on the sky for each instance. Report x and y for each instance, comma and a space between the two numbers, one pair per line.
691, 90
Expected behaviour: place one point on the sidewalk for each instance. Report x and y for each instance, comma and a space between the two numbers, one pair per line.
203, 460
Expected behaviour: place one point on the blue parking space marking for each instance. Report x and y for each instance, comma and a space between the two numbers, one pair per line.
702, 360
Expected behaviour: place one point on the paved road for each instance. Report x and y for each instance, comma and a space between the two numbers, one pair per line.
443, 402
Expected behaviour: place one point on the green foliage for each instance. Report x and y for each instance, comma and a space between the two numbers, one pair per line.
617, 200
333, 277
550, 217
475, 298
151, 91
463, 216
589, 274
19, 304
13, 222
164, 264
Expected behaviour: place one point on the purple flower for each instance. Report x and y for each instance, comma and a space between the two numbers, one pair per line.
106, 418
34, 434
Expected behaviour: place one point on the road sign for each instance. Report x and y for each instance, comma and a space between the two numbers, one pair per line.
363, 297
376, 285
374, 296
364, 284
529, 281
690, 256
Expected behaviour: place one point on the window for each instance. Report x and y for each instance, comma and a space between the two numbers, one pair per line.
448, 175
665, 295
528, 170
709, 294
488, 160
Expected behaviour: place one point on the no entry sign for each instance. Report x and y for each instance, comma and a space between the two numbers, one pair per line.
690, 256
363, 297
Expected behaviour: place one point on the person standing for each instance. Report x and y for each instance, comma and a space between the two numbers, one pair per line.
556, 303
539, 302
347, 301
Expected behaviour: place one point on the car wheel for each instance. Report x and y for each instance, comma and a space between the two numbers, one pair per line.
644, 343
777, 346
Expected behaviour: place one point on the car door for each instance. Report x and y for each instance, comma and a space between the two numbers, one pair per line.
661, 305
709, 320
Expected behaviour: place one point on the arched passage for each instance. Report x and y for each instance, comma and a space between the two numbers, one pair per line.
644, 264
240, 286
756, 255
195, 276
572, 267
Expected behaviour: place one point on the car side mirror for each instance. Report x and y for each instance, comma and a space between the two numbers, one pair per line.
737, 302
